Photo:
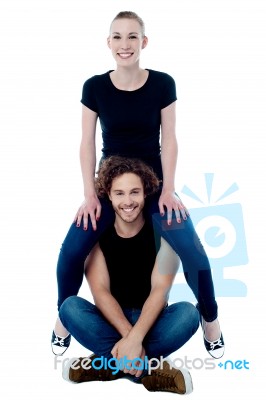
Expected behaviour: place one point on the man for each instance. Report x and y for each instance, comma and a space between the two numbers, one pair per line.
130, 280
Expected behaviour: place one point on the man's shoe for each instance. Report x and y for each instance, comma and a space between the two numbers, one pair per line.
168, 379
79, 370
59, 344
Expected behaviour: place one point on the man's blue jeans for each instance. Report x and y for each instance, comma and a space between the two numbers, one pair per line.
176, 324
182, 237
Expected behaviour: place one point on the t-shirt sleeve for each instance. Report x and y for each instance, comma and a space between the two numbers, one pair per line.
88, 98
168, 91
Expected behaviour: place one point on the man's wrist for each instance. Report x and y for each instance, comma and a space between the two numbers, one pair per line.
125, 332
136, 335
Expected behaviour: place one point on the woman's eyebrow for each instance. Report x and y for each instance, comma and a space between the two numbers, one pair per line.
130, 33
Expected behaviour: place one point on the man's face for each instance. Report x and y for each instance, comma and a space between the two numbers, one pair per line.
127, 197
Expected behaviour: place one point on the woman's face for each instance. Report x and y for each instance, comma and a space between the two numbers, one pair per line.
126, 41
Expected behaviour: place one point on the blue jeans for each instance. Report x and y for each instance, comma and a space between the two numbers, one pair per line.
182, 237
175, 325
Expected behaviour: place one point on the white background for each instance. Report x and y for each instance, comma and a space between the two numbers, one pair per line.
215, 50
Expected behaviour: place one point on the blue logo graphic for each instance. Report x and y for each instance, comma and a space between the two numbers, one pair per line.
239, 364
222, 234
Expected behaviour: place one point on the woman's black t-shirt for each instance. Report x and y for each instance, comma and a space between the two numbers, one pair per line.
131, 120
130, 262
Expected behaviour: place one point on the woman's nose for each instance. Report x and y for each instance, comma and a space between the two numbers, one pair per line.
125, 44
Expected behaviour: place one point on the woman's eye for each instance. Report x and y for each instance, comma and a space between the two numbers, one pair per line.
116, 37
132, 37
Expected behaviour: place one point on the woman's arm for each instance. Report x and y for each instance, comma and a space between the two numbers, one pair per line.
169, 149
169, 146
91, 206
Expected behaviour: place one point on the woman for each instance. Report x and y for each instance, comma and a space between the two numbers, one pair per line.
136, 110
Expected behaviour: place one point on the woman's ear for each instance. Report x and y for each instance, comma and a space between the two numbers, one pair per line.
144, 42
108, 42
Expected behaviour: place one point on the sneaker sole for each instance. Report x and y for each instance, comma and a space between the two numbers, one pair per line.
188, 380
66, 369
58, 350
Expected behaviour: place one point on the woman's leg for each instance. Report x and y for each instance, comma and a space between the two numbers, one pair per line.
70, 267
75, 248
184, 240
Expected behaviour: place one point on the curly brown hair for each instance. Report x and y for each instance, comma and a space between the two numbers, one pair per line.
114, 166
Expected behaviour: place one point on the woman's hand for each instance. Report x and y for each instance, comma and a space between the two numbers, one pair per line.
91, 207
172, 202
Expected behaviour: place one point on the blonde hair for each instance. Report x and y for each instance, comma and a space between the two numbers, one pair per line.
130, 15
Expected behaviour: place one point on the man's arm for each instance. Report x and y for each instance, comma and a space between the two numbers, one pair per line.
163, 274
98, 279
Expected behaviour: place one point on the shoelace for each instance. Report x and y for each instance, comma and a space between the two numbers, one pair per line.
216, 343
162, 381
59, 341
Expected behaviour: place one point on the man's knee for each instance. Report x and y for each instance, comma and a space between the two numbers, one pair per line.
187, 314
69, 307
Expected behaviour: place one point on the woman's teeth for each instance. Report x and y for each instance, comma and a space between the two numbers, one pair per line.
125, 55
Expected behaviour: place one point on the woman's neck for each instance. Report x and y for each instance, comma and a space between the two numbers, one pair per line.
129, 78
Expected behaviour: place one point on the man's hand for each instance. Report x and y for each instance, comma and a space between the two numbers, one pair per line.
132, 349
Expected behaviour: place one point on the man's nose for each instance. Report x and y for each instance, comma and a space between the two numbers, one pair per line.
128, 200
